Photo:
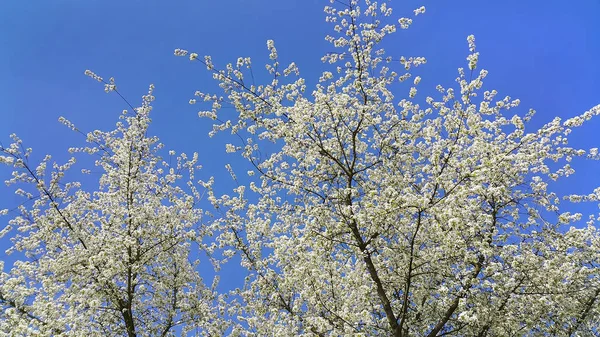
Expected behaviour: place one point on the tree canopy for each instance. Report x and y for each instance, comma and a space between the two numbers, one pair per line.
367, 211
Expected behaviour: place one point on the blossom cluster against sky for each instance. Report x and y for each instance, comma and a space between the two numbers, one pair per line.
543, 52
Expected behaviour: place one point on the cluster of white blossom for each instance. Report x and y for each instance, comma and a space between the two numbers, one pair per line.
114, 261
365, 214
380, 217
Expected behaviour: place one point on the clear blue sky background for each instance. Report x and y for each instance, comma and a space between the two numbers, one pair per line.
544, 52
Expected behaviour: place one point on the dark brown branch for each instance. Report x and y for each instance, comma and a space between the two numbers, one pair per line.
450, 311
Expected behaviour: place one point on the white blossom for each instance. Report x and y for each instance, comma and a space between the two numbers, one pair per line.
420, 10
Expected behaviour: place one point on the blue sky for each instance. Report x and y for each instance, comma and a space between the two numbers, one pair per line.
544, 52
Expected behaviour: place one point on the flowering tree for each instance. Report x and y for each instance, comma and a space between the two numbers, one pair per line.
112, 262
364, 214
379, 216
